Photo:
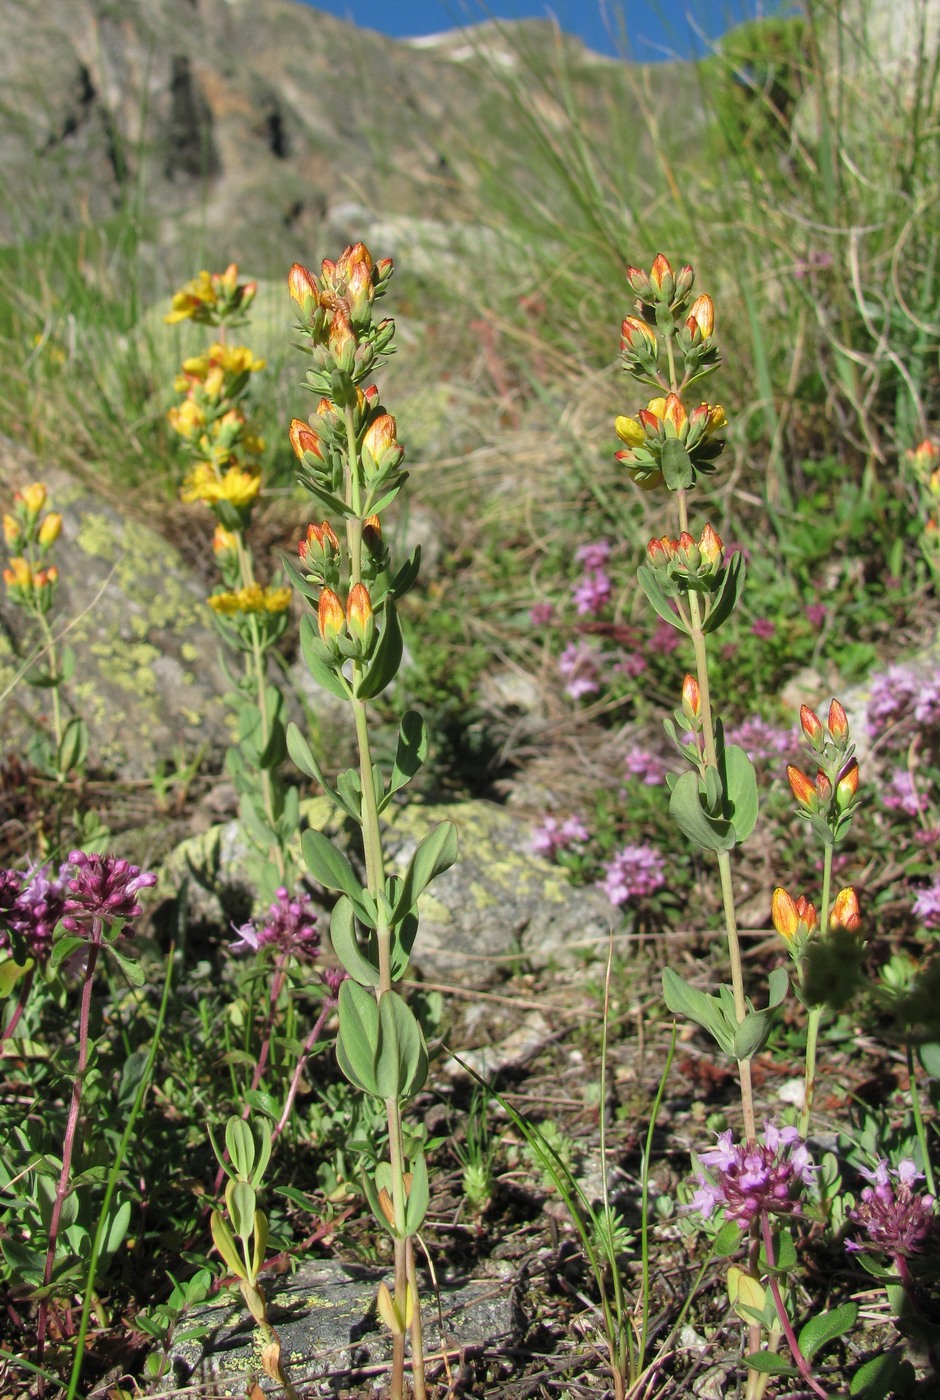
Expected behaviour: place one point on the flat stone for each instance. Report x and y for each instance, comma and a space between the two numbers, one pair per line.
330, 1332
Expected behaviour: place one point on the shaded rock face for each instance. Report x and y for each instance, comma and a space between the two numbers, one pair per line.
147, 678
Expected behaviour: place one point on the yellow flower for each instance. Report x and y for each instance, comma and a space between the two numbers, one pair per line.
197, 295
11, 530
276, 599
251, 599
236, 359
225, 603
19, 574
33, 498
630, 431
50, 529
187, 419
237, 486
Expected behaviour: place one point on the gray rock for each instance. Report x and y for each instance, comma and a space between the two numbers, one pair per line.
147, 679
329, 1331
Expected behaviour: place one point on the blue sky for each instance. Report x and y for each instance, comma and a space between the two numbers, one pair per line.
655, 29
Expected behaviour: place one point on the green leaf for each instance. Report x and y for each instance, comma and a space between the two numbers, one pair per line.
882, 1376
242, 1202
224, 1242
385, 660
727, 1241
349, 792
64, 948
67, 663
436, 853
10, 973
407, 575
752, 1033
685, 808
418, 1197
129, 966
825, 1327
402, 1061
411, 752
723, 602
677, 465
275, 750
658, 598
700, 1007
328, 865
405, 932
740, 784
116, 1231
769, 1363
240, 1143
358, 1041
346, 946
310, 591
73, 750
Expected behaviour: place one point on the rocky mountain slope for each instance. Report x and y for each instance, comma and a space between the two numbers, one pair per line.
245, 127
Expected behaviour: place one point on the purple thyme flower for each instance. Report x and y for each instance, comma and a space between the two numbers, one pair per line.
641, 763
101, 888
927, 703
749, 1180
578, 664
816, 614
927, 905
665, 638
290, 928
900, 795
762, 741
633, 873
550, 838
894, 1217
892, 697
333, 978
764, 628
593, 592
541, 614
38, 908
632, 665
594, 555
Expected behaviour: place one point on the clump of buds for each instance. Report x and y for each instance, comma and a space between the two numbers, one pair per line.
830, 801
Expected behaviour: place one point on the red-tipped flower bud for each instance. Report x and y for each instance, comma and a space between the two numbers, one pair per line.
675, 414
845, 911
661, 278
638, 336
330, 616
811, 727
701, 316
302, 287
691, 699
359, 616
794, 919
303, 438
803, 790
847, 785
710, 547
838, 724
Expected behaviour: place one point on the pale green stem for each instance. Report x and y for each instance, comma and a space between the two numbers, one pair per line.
375, 879
919, 1121
815, 1012
54, 688
256, 667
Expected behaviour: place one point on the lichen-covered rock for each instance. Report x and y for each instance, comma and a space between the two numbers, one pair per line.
147, 678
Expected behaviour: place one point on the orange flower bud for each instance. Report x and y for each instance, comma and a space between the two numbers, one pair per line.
341, 339
661, 278
359, 616
330, 616
637, 335
224, 541
691, 698
845, 911
838, 724
320, 538
792, 918
302, 286
11, 531
702, 316
660, 551
675, 414
710, 547
803, 790
823, 786
847, 785
304, 439
811, 727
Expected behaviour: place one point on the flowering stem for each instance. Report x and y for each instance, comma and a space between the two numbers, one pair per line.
799, 1359
68, 1143
18, 1010
815, 1012
54, 688
329, 1006
919, 1121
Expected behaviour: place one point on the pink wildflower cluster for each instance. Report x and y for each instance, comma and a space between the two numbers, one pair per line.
592, 593
290, 928
893, 1216
753, 1179
900, 795
927, 905
578, 664
102, 889
642, 763
554, 836
762, 741
901, 695
31, 905
633, 873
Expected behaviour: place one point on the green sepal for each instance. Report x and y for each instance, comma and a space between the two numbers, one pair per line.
677, 465
314, 654
650, 583
825, 1327
401, 1066
410, 754
752, 1033
358, 1040
685, 807
310, 591
386, 658
436, 853
724, 600
346, 946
